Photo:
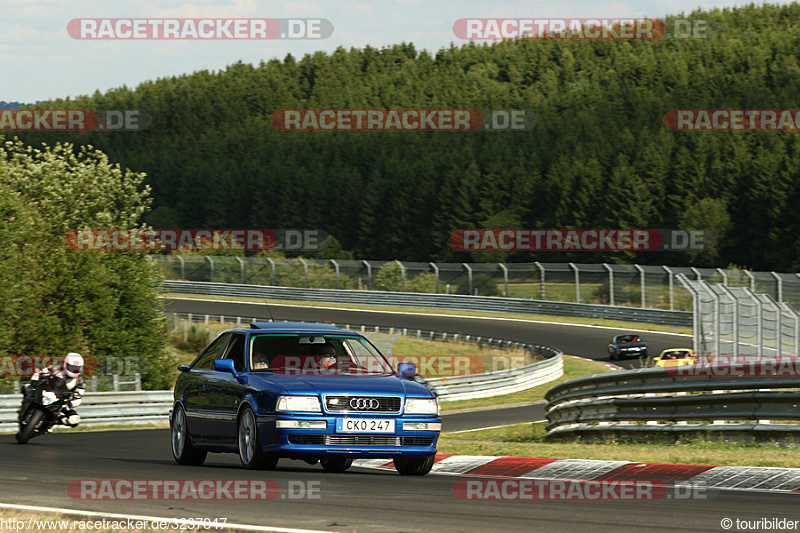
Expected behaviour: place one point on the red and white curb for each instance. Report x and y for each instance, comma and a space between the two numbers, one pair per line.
720, 477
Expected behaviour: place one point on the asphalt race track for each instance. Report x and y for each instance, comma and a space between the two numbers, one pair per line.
357, 500
361, 499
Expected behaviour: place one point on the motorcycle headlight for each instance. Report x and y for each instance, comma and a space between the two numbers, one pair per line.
302, 404
422, 406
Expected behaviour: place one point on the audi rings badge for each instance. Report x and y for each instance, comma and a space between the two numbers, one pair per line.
364, 404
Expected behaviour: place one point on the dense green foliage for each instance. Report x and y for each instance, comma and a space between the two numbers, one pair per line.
600, 155
54, 300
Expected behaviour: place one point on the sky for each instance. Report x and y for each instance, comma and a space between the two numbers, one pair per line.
40, 60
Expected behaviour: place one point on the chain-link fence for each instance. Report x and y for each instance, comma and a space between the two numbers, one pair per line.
644, 286
730, 320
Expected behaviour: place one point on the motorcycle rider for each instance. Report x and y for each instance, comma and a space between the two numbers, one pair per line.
65, 379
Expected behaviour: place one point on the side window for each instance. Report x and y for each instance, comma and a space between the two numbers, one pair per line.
236, 352
206, 359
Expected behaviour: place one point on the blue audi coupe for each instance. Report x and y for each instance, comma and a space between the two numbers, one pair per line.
311, 392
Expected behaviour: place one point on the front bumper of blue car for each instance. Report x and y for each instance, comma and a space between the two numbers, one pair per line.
323, 435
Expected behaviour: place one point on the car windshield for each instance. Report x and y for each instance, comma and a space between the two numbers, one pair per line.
629, 338
316, 354
677, 355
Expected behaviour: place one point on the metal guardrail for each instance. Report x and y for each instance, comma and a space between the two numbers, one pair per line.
654, 403
434, 301
498, 382
103, 408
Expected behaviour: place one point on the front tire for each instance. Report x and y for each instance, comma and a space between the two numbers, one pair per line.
250, 445
26, 431
414, 466
336, 464
182, 449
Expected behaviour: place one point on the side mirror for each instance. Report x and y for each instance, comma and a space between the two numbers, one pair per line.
406, 370
183, 368
225, 365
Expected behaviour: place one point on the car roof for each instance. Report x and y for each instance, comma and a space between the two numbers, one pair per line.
292, 327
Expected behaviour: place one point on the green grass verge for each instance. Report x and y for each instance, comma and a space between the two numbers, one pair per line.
528, 440
622, 325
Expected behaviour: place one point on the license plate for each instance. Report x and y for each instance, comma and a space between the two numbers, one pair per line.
363, 425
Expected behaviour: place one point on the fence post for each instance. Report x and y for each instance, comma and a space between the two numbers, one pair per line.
724, 276
696, 325
402, 275
336, 266
577, 283
274, 278
671, 296
696, 273
211, 273
436, 274
735, 320
183, 267
115, 378
469, 277
780, 286
305, 269
505, 277
641, 282
610, 284
185, 330
759, 320
541, 270
94, 383
717, 320
369, 274
137, 381
752, 280
241, 268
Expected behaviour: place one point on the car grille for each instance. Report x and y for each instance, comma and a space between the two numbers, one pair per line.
372, 404
360, 440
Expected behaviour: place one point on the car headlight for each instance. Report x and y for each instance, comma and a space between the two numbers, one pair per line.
303, 404
422, 406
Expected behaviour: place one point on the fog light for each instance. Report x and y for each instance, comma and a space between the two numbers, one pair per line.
422, 426
301, 424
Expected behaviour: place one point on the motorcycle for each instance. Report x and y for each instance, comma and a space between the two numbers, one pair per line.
40, 410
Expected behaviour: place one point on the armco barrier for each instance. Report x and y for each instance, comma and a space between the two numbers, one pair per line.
146, 407
498, 382
653, 403
102, 408
433, 301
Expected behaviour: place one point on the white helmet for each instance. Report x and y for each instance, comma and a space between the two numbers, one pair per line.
73, 364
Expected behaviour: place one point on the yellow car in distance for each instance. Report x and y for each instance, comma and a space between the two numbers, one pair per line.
675, 357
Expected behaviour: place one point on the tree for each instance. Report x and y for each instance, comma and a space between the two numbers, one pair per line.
56, 299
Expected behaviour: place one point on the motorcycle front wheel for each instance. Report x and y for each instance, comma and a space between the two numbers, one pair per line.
26, 430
